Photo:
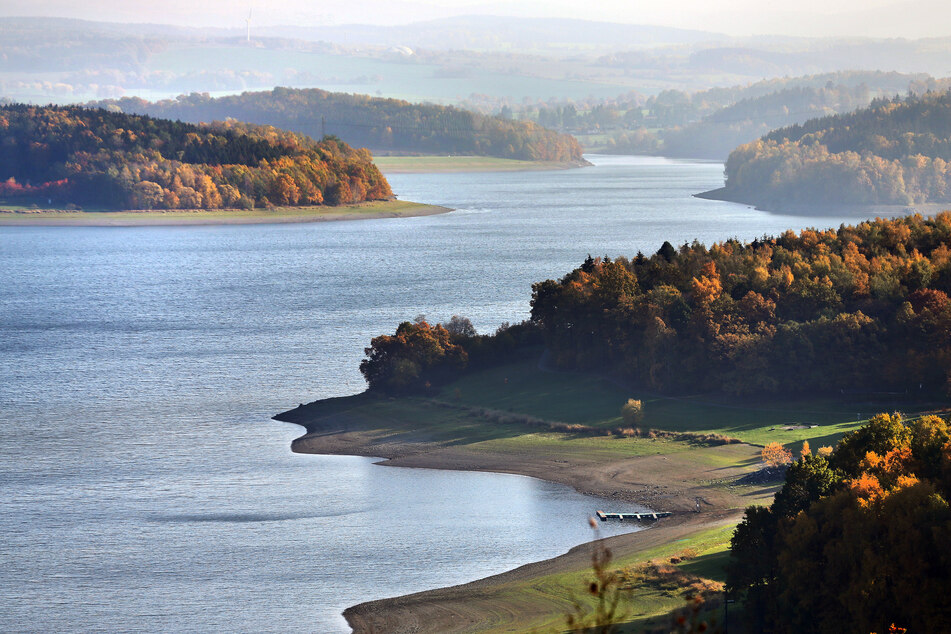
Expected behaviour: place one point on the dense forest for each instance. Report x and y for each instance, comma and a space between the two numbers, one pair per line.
861, 309
72, 155
896, 151
389, 125
856, 541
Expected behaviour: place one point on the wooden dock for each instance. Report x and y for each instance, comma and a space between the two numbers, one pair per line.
636, 517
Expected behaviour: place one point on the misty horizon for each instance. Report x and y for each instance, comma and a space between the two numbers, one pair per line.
738, 18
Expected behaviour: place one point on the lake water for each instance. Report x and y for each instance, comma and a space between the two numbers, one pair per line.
144, 486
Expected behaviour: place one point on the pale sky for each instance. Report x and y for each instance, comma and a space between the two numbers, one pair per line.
875, 18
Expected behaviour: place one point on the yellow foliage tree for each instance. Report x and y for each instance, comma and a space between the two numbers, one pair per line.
775, 455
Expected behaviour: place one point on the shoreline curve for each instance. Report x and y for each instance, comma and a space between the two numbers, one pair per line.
662, 483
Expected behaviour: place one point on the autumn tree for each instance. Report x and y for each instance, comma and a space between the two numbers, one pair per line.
775, 455
856, 542
415, 355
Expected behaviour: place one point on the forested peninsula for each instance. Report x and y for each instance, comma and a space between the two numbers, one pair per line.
384, 125
895, 152
736, 355
862, 309
69, 156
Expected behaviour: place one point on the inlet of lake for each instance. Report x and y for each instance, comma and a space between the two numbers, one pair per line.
145, 486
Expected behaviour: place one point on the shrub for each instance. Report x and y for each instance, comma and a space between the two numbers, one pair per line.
632, 412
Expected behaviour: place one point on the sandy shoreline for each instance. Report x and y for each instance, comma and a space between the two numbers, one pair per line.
477, 606
673, 482
142, 218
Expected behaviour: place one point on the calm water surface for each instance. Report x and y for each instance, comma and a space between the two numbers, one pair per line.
144, 486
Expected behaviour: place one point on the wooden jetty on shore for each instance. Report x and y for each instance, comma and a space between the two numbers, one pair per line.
638, 517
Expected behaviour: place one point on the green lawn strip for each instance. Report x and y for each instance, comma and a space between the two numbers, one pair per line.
420, 419
645, 603
585, 447
587, 399
411, 418
487, 405
523, 388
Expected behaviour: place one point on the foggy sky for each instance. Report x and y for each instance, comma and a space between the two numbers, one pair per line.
873, 18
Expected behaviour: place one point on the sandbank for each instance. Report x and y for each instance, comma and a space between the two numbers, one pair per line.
10, 216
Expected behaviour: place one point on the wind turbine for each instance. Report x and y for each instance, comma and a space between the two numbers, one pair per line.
248, 20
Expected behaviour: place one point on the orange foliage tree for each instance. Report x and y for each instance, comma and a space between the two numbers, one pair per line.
775, 455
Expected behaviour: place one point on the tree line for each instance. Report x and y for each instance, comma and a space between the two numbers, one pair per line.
863, 307
855, 541
420, 356
389, 125
896, 151
73, 155
860, 309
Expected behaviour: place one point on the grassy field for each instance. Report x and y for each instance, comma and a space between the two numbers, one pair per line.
485, 409
504, 415
650, 593
20, 215
652, 581
590, 400
431, 164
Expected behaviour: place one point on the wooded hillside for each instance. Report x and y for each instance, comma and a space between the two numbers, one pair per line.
381, 124
861, 308
72, 155
855, 541
896, 151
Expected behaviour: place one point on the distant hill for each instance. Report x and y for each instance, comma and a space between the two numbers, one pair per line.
896, 151
447, 61
717, 134
387, 125
710, 123
72, 155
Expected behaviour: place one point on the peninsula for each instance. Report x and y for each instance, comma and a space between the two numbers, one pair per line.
68, 157
892, 154
673, 380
